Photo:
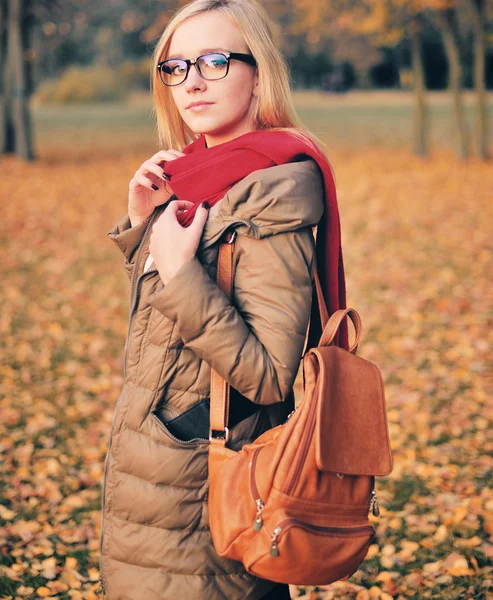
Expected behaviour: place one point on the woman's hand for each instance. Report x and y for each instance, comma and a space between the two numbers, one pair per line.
170, 244
149, 187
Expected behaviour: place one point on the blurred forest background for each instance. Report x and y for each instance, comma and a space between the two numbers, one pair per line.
401, 92
87, 51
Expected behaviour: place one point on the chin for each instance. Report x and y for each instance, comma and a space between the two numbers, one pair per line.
209, 129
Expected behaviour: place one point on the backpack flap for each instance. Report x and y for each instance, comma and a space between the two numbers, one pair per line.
351, 432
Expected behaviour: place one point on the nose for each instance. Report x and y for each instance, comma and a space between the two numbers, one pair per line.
194, 80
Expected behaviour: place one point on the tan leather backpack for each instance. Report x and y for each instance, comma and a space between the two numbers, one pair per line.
293, 505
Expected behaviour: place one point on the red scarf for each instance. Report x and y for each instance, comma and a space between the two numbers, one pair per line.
208, 173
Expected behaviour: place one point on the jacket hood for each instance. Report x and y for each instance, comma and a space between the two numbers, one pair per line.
274, 200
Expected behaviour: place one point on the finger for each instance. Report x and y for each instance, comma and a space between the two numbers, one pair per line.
200, 217
176, 205
150, 167
166, 155
162, 157
143, 181
174, 152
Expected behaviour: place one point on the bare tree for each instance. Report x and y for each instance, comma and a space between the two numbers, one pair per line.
448, 23
479, 8
16, 23
420, 123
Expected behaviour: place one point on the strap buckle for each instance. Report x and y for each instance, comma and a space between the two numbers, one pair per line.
223, 435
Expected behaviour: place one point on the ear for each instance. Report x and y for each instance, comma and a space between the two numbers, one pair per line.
255, 83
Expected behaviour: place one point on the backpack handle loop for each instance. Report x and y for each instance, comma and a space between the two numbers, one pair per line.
333, 324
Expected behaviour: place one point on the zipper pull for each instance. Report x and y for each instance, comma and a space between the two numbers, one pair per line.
274, 550
374, 504
257, 524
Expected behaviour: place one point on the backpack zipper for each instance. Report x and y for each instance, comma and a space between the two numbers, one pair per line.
310, 428
285, 524
374, 504
257, 523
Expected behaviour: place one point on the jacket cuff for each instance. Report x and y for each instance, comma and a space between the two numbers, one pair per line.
126, 237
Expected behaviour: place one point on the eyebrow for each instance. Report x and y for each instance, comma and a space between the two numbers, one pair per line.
203, 51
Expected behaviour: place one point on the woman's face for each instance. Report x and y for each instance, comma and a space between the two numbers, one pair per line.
226, 117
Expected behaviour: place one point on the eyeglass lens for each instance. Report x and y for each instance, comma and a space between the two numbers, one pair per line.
210, 66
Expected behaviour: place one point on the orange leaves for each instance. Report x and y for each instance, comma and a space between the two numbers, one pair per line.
418, 254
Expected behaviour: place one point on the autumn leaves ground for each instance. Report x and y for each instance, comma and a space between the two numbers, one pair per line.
418, 253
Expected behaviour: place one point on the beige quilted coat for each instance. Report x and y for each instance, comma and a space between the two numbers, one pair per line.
155, 543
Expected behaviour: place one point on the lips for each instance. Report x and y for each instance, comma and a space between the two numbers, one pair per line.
199, 104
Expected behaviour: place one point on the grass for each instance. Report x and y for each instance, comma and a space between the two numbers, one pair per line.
382, 119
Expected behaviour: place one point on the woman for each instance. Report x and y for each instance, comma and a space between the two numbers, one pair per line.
245, 164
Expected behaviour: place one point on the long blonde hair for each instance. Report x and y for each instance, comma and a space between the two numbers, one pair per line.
271, 109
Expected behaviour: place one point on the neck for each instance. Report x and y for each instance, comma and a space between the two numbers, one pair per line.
212, 140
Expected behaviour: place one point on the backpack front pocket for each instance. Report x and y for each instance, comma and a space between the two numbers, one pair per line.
277, 553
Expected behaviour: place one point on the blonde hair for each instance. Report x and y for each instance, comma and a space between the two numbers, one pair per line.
271, 109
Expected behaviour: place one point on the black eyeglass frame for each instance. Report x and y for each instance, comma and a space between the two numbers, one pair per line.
247, 58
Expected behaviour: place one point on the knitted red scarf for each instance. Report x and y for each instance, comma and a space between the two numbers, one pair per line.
208, 173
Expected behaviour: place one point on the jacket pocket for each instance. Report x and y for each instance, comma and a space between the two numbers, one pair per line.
162, 426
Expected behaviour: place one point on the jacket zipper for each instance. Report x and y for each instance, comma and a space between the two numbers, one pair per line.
249, 223
217, 237
172, 411
257, 523
132, 308
285, 524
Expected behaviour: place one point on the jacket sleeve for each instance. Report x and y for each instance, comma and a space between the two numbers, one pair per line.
255, 343
127, 238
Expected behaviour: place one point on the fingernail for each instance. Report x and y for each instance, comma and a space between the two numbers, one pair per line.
205, 205
155, 187
165, 175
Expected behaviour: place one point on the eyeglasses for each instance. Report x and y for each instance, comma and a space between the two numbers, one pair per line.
174, 71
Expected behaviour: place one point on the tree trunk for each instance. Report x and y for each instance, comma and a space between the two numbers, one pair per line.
7, 138
16, 73
448, 22
420, 113
481, 137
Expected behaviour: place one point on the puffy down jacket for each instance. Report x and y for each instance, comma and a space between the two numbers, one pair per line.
155, 541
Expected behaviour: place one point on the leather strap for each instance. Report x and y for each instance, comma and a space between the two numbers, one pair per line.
220, 388
322, 307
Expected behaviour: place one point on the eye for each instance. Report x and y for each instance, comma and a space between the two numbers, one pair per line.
174, 67
217, 61
178, 68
